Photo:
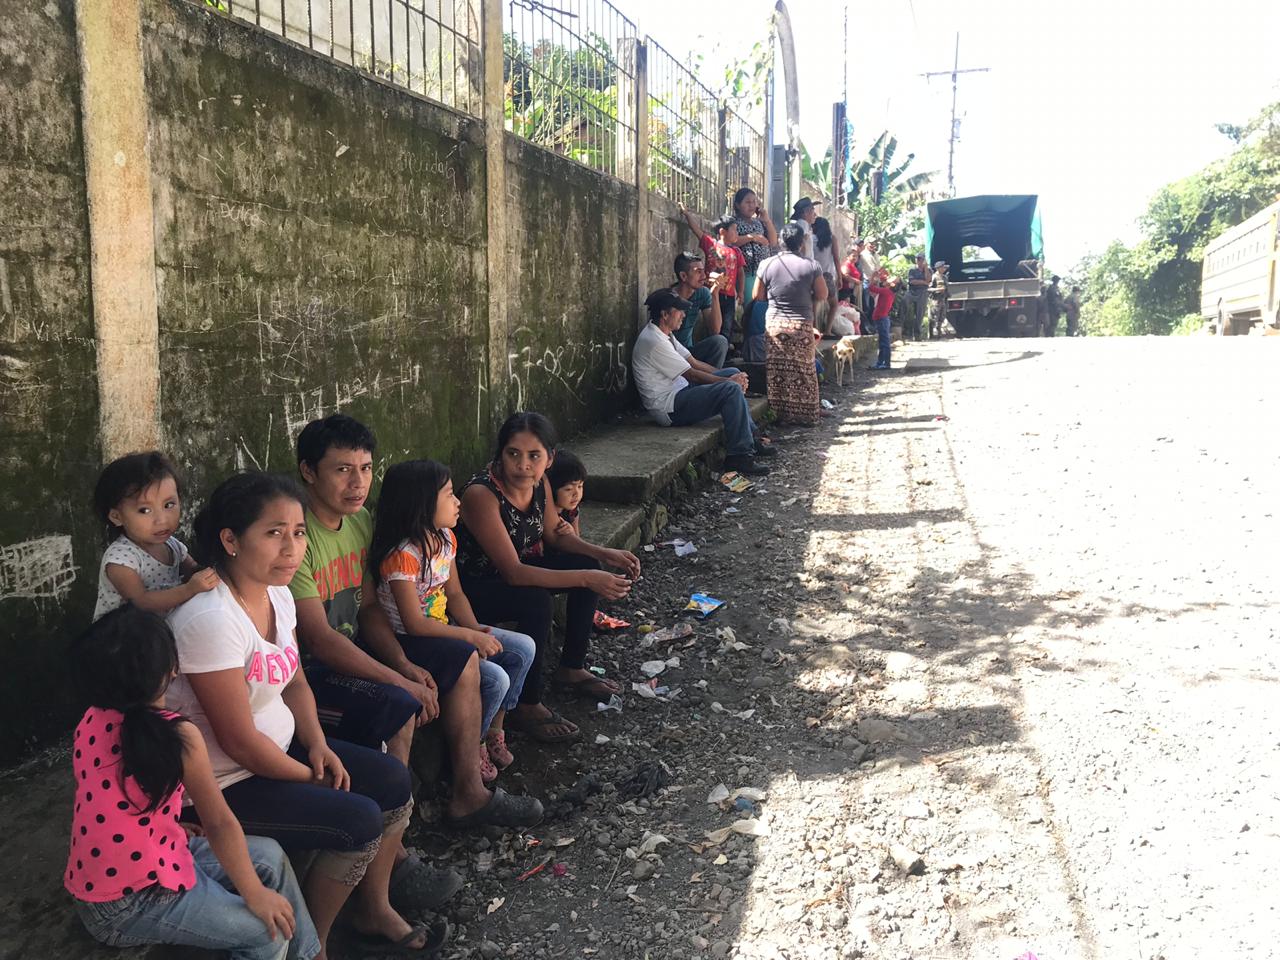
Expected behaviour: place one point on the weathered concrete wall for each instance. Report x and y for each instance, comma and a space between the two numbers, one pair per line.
48, 397
321, 241
572, 288
320, 245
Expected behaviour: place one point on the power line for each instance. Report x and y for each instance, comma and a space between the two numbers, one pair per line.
954, 73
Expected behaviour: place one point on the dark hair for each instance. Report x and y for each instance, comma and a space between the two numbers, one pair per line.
724, 223
846, 294
336, 430
566, 468
822, 235
126, 477
123, 662
407, 511
684, 260
739, 195
235, 505
792, 236
525, 422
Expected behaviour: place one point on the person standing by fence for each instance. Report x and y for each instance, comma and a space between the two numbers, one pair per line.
753, 233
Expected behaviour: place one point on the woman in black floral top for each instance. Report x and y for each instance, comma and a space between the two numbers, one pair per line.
752, 233
507, 579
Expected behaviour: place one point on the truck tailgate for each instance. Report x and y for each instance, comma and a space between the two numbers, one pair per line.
993, 289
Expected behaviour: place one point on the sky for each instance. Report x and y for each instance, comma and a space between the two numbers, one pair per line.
1091, 105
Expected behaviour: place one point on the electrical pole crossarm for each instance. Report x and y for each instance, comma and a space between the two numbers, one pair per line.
954, 74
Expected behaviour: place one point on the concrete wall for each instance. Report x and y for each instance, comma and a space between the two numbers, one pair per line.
571, 302
48, 401
322, 248
321, 242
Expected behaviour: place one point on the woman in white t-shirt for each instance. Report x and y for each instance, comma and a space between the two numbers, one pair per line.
242, 686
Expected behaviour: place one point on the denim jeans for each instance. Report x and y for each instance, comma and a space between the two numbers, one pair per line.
312, 816
702, 401
211, 914
712, 350
502, 675
494, 601
919, 306
882, 330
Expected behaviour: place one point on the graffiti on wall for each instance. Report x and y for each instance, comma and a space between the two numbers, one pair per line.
36, 569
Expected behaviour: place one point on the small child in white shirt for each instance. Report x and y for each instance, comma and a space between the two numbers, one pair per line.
137, 499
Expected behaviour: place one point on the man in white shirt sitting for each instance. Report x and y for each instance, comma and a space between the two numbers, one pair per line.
678, 389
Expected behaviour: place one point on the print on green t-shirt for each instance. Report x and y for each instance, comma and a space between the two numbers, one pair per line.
333, 568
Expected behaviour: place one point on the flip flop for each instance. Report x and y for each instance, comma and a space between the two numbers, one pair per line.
536, 729
437, 935
588, 688
502, 810
416, 886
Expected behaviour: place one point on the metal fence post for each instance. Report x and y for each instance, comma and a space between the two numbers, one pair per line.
495, 202
641, 116
722, 148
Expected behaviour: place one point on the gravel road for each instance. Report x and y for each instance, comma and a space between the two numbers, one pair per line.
999, 654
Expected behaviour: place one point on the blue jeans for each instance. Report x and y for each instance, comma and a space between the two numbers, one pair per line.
705, 400
711, 350
359, 711
882, 330
209, 915
312, 816
502, 675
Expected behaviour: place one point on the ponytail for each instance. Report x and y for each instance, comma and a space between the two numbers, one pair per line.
124, 662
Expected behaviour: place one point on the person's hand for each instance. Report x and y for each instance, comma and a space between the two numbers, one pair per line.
486, 643
193, 829
203, 581
623, 560
326, 768
817, 335
273, 910
680, 206
610, 586
759, 238
564, 528
424, 691
741, 380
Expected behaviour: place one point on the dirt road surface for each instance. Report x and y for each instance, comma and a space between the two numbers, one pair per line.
1000, 658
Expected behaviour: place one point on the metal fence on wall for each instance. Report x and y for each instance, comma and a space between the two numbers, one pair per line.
570, 73
428, 47
684, 152
744, 161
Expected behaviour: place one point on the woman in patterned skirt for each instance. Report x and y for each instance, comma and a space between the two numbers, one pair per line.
792, 284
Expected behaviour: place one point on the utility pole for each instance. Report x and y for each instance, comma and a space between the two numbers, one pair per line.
954, 73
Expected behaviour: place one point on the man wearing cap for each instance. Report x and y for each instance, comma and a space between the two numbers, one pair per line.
679, 389
918, 294
938, 299
869, 264
702, 297
804, 213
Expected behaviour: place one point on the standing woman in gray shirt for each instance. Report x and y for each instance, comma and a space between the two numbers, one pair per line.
792, 284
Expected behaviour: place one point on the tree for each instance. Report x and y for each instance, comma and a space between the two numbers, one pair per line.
1155, 286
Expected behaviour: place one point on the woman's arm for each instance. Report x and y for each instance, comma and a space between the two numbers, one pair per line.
481, 516
819, 286
226, 837
771, 234
759, 292
325, 765
225, 700
568, 541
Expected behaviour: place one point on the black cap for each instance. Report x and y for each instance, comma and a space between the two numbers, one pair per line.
665, 299
803, 204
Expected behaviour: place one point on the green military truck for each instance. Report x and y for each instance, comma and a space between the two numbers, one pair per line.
993, 247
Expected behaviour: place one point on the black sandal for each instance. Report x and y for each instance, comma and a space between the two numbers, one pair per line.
536, 729
583, 688
437, 935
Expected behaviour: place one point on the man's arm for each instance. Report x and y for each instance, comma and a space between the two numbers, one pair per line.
711, 314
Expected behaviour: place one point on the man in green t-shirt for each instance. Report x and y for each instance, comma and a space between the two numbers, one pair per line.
365, 686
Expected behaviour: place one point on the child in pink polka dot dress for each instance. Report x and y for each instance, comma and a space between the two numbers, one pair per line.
136, 875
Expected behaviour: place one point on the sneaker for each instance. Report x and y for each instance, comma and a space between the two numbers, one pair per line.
765, 450
745, 464
496, 742
488, 772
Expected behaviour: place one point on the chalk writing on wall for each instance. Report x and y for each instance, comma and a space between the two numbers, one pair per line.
37, 568
567, 366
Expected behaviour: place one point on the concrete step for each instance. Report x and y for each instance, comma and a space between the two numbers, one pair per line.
611, 524
629, 463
